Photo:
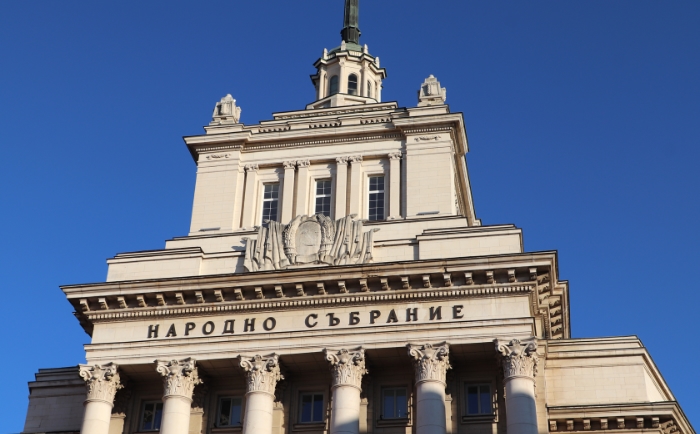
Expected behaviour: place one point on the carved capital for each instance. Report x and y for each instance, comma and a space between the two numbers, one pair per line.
342, 160
303, 163
251, 167
355, 159
431, 363
262, 373
519, 358
289, 165
395, 155
179, 377
347, 367
102, 382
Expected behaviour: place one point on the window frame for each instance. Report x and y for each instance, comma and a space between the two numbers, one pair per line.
356, 90
330, 85
329, 195
217, 418
369, 89
370, 192
264, 201
142, 413
300, 408
480, 417
382, 415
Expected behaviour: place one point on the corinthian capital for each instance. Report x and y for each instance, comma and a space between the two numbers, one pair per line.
102, 381
431, 363
519, 357
262, 373
347, 367
179, 377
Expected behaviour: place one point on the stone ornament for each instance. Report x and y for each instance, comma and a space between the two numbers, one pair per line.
347, 366
431, 93
309, 240
262, 373
226, 112
519, 357
179, 377
102, 381
431, 363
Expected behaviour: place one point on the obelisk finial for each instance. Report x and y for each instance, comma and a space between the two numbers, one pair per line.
351, 22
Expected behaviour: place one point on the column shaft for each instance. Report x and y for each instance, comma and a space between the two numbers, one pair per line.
258, 413
355, 185
302, 204
288, 192
341, 187
395, 185
249, 200
345, 410
96, 417
176, 415
430, 403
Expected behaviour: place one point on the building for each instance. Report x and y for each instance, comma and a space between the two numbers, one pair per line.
336, 279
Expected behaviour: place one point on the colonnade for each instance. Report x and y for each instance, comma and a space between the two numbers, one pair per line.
431, 362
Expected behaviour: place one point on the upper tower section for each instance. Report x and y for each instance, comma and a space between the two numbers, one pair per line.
348, 74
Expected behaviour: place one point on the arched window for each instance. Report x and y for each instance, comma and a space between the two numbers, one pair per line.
352, 84
369, 89
334, 85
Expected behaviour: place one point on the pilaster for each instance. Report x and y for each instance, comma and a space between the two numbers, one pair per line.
395, 185
341, 187
249, 200
288, 192
355, 185
302, 187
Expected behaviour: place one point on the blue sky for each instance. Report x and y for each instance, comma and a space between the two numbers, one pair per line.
582, 120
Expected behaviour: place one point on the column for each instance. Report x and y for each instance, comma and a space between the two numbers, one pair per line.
395, 185
288, 192
519, 369
355, 185
179, 379
431, 365
341, 187
302, 187
347, 369
251, 180
262, 375
102, 382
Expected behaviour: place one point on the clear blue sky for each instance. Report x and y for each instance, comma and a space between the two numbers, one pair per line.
583, 121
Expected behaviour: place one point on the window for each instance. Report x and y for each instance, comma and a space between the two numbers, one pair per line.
352, 84
394, 403
323, 197
478, 399
270, 202
369, 89
151, 415
229, 412
334, 85
376, 198
311, 408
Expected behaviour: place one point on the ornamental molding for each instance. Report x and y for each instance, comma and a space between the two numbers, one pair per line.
342, 160
319, 142
303, 163
347, 366
519, 358
355, 159
289, 164
101, 381
396, 156
309, 240
217, 156
179, 377
427, 138
431, 362
262, 373
335, 112
251, 167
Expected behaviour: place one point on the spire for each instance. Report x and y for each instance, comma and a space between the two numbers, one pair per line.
351, 22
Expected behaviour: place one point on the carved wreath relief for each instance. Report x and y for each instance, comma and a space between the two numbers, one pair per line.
309, 240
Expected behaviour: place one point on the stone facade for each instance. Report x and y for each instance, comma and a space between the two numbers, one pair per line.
335, 279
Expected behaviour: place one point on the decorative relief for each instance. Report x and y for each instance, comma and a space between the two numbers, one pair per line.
309, 240
179, 377
217, 156
303, 163
347, 367
289, 164
355, 159
431, 363
431, 93
519, 357
396, 155
102, 381
342, 160
427, 138
226, 111
262, 373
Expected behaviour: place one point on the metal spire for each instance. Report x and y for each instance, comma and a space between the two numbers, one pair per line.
351, 22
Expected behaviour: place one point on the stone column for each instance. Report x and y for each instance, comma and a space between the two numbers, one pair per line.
302, 187
249, 202
288, 192
519, 369
347, 368
262, 375
431, 365
395, 185
341, 187
355, 185
179, 379
102, 383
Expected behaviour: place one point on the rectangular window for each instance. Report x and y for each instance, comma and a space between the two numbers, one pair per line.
311, 408
394, 403
478, 399
323, 197
229, 412
270, 202
376, 198
151, 415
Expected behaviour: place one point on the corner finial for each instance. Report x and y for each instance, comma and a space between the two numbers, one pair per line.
226, 111
351, 22
431, 93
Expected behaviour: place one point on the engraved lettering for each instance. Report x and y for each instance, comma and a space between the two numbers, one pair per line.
332, 320
228, 326
307, 321
269, 324
456, 311
152, 331
171, 332
208, 328
189, 327
373, 315
354, 318
412, 314
435, 313
392, 317
249, 325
